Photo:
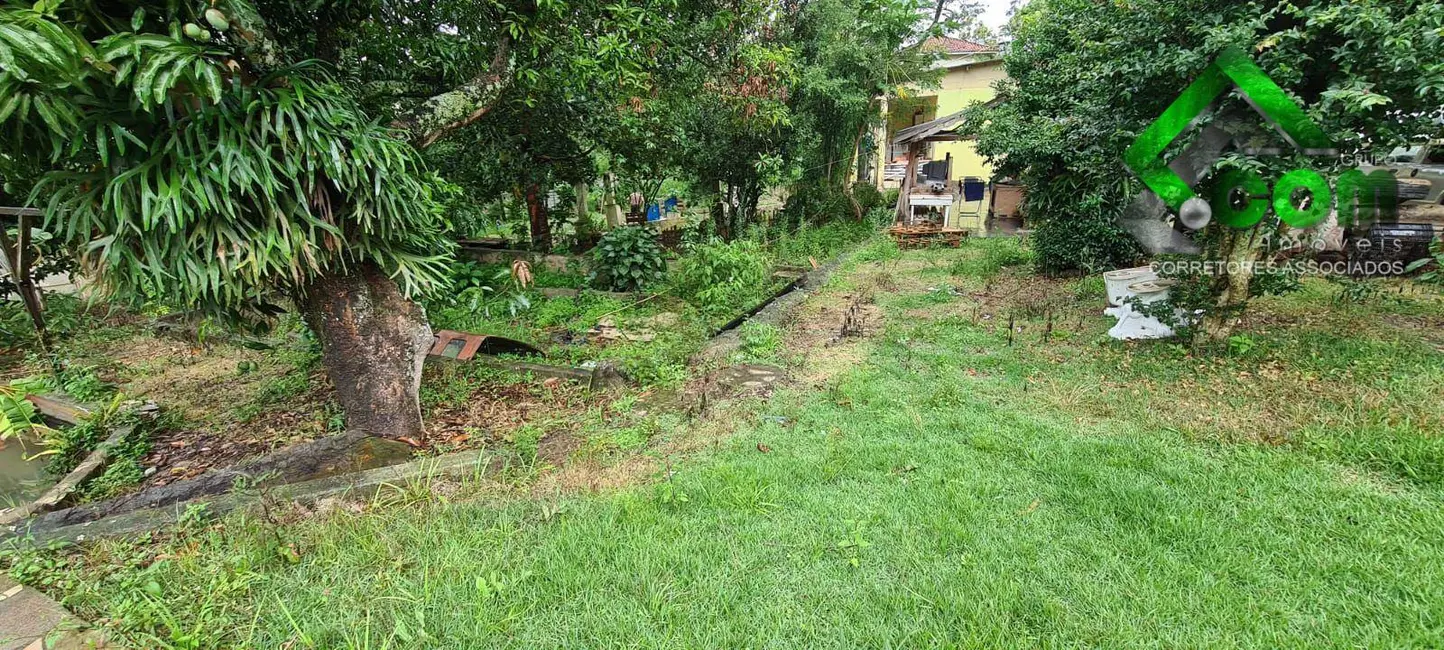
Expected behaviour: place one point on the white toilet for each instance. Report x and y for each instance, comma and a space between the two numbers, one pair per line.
1133, 325
1117, 282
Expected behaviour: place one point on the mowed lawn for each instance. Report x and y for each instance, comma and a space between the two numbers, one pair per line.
942, 492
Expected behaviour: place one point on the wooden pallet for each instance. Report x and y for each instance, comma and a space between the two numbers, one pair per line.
925, 236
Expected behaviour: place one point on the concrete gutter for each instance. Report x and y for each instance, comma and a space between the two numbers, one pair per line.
365, 484
771, 312
57, 493
72, 414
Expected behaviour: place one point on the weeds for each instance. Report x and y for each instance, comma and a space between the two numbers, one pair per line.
761, 342
723, 279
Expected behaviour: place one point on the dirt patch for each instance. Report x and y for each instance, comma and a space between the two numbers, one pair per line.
556, 448
829, 332
201, 384
492, 411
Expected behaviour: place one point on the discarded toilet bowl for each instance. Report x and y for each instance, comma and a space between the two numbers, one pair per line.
1134, 325
1117, 282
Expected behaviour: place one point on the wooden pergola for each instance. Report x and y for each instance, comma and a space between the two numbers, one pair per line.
938, 130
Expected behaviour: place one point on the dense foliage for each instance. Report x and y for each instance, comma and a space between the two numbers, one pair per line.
182, 173
738, 99
1086, 77
723, 278
628, 259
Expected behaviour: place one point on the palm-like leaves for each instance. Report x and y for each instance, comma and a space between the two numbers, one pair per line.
183, 178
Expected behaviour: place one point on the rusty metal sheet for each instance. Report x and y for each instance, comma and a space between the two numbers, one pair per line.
467, 345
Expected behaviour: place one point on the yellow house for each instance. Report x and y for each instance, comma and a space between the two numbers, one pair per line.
970, 70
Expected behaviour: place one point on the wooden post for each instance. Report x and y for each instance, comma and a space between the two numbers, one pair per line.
904, 205
583, 214
17, 261
724, 210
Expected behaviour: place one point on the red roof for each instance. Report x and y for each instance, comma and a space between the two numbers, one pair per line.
956, 45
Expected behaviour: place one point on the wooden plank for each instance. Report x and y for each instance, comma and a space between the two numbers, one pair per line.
60, 409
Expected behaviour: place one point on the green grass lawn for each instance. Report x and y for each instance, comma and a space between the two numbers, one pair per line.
948, 490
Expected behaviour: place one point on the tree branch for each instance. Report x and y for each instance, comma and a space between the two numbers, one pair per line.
257, 44
442, 114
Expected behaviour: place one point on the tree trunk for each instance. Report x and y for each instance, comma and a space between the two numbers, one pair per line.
541, 229
374, 341
879, 140
851, 177
583, 210
1240, 249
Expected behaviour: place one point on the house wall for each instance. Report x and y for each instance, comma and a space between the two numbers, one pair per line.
961, 87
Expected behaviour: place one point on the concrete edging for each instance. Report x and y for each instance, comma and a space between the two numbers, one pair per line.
771, 312
137, 521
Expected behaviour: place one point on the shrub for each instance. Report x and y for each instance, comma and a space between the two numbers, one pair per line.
1091, 242
816, 202
627, 259
722, 279
1282, 280
867, 196
881, 216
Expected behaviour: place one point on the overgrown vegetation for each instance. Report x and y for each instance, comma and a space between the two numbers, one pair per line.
723, 279
1112, 480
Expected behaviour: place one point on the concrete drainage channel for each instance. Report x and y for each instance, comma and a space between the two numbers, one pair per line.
70, 414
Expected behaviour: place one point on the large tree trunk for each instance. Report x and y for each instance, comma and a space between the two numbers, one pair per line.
541, 229
374, 341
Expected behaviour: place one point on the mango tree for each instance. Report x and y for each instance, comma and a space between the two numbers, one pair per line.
234, 156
